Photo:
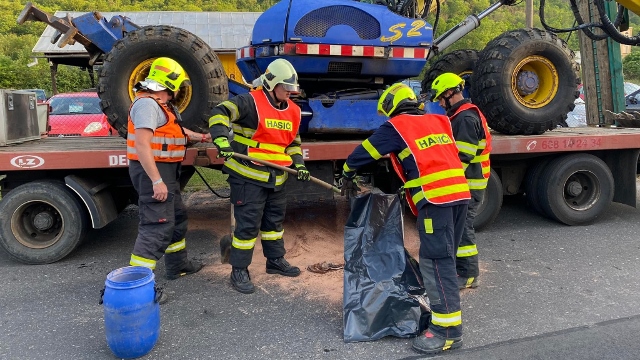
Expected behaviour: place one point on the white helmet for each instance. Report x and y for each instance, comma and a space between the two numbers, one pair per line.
280, 71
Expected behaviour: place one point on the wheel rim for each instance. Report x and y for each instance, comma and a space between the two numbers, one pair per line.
581, 190
534, 82
140, 73
37, 224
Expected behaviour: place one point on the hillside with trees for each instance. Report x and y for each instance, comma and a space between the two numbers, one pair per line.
17, 41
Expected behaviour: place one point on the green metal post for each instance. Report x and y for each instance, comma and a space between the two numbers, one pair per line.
615, 64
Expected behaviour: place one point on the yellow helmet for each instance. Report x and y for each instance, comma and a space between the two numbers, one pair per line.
165, 73
280, 71
395, 96
445, 82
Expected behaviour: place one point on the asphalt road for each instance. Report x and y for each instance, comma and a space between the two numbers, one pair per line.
547, 291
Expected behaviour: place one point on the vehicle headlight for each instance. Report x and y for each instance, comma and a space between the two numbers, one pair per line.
93, 127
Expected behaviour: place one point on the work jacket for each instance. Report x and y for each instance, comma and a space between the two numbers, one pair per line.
439, 177
473, 139
169, 142
261, 130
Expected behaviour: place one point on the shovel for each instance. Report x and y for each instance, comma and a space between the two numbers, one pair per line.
225, 242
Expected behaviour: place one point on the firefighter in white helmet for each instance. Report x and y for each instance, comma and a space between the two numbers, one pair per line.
265, 125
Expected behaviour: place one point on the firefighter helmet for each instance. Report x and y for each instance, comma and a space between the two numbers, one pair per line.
445, 82
280, 71
396, 96
165, 73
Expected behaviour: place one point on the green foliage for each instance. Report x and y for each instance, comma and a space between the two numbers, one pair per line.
631, 65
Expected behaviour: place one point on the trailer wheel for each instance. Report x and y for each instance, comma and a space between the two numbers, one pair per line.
576, 188
532, 185
41, 222
461, 62
491, 203
129, 62
525, 82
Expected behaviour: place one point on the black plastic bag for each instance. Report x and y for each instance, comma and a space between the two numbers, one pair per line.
379, 275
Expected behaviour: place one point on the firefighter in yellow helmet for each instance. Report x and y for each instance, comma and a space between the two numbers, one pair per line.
265, 126
473, 139
425, 157
156, 145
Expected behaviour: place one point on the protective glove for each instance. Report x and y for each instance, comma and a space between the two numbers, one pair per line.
303, 173
349, 185
224, 149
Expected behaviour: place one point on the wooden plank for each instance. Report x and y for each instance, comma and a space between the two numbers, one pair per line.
596, 79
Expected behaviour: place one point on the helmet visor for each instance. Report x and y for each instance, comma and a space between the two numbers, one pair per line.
290, 88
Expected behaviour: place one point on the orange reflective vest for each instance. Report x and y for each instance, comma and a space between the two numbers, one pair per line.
276, 130
169, 142
484, 146
429, 139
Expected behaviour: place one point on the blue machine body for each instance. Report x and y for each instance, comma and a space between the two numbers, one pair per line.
345, 52
103, 34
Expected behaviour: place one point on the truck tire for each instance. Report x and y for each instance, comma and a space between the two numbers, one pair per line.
576, 188
532, 185
42, 222
129, 62
461, 62
525, 82
491, 203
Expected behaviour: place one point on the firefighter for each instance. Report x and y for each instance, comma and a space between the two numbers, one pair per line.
265, 126
473, 139
425, 157
156, 145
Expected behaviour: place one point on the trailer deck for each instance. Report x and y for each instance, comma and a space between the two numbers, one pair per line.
108, 152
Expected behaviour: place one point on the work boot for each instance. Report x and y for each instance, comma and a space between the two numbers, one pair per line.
429, 343
467, 283
191, 267
241, 281
282, 267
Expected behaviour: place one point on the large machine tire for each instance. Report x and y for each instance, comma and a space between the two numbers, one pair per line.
576, 188
42, 222
461, 62
525, 82
129, 62
491, 203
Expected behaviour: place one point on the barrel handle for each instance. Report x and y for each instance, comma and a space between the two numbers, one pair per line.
102, 295
158, 291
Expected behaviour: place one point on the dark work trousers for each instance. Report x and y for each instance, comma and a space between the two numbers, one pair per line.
161, 223
440, 229
256, 209
467, 258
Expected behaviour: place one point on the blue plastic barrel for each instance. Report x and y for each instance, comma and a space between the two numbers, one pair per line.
131, 312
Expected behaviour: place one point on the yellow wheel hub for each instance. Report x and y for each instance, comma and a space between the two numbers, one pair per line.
140, 73
534, 81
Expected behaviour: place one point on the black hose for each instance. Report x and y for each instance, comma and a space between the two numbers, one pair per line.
610, 28
581, 24
206, 183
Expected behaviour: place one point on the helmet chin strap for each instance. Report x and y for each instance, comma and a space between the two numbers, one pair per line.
447, 103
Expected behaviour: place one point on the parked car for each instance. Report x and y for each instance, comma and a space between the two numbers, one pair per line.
41, 96
632, 101
78, 114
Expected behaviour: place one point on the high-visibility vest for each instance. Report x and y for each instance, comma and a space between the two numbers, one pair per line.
276, 130
484, 146
169, 142
429, 139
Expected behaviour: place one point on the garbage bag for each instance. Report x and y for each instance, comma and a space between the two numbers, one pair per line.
379, 275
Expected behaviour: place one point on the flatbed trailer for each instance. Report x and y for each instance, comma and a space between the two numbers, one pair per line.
55, 189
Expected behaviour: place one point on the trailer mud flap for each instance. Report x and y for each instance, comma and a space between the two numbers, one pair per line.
99, 202
381, 280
